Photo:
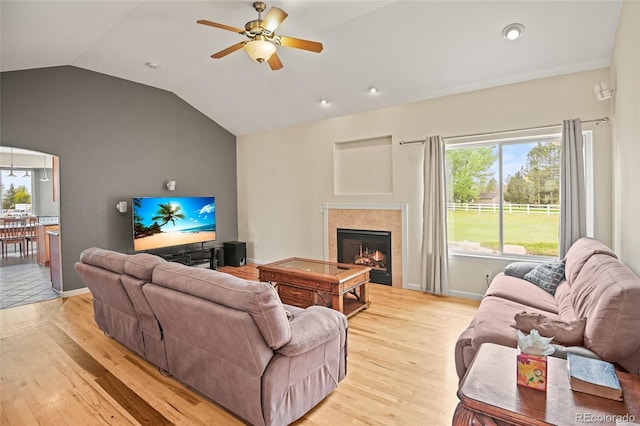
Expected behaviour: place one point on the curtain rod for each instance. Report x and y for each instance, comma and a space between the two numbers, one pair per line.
549, 126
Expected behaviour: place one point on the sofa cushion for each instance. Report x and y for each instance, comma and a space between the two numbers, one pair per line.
492, 321
311, 328
580, 252
519, 269
521, 291
607, 293
105, 259
547, 276
141, 265
564, 333
260, 300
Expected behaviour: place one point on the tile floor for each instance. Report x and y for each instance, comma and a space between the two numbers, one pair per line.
23, 281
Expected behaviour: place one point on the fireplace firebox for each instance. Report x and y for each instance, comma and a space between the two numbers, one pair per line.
367, 248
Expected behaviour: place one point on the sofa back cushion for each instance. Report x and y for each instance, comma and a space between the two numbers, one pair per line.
564, 303
260, 300
141, 265
580, 252
105, 259
607, 294
101, 271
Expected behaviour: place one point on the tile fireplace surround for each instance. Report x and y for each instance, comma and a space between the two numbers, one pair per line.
376, 217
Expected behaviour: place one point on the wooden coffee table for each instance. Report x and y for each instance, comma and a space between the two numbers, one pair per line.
489, 395
307, 282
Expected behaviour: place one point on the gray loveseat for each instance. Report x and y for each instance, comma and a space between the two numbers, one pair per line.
595, 309
231, 339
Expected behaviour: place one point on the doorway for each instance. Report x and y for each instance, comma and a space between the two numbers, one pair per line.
30, 192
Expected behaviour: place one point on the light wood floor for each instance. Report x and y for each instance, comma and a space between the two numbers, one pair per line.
57, 368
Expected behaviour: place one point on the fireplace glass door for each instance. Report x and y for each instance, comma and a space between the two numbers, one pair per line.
367, 248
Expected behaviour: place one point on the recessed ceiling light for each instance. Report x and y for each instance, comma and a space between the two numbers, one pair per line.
324, 102
373, 89
151, 65
512, 31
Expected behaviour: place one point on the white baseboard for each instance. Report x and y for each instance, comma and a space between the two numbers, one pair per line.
257, 261
411, 286
465, 295
75, 292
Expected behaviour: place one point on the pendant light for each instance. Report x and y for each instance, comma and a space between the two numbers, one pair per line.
27, 174
44, 177
11, 174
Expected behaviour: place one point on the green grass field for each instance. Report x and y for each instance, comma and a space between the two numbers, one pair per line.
538, 233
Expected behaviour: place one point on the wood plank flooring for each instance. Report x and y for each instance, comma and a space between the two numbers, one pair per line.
58, 368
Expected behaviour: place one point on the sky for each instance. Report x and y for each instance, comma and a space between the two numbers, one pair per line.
17, 181
198, 211
514, 157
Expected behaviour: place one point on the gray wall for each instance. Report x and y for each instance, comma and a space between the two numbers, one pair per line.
42, 194
116, 139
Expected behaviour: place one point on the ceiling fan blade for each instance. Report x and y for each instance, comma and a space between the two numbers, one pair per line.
273, 18
221, 26
228, 50
298, 43
274, 62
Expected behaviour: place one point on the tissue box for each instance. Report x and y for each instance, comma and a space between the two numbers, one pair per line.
532, 371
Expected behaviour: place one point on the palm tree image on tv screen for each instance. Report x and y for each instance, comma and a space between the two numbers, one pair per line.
170, 221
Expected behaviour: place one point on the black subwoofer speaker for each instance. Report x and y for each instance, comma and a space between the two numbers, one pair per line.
235, 253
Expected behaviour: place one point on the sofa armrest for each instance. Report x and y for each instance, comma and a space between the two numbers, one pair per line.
312, 327
562, 351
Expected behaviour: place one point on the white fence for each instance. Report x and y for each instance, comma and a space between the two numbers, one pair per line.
547, 209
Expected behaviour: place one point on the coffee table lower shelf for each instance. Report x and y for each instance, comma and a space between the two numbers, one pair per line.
352, 306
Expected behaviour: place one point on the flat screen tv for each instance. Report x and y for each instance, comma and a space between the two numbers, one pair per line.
171, 221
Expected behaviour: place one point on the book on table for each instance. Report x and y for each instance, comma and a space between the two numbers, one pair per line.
593, 376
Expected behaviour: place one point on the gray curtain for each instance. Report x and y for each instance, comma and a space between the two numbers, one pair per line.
434, 265
573, 219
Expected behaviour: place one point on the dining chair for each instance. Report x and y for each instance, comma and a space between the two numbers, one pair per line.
13, 233
2, 236
30, 232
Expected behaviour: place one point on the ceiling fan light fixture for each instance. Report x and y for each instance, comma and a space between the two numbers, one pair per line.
260, 50
512, 31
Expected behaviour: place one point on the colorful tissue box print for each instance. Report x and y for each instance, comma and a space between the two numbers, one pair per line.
532, 371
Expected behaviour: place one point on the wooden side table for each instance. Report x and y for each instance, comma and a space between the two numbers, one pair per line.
489, 395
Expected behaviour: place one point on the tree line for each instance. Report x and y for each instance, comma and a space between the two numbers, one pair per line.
537, 182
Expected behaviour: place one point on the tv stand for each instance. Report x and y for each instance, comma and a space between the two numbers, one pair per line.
193, 257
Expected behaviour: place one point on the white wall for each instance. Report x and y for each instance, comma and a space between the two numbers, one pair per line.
285, 175
625, 78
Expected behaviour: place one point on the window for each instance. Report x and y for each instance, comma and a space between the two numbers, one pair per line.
503, 196
15, 185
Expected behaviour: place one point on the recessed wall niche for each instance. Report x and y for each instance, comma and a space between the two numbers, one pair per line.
363, 167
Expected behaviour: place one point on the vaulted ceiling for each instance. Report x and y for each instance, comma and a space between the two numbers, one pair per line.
409, 50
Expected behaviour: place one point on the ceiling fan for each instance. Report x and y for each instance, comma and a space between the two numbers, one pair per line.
263, 40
